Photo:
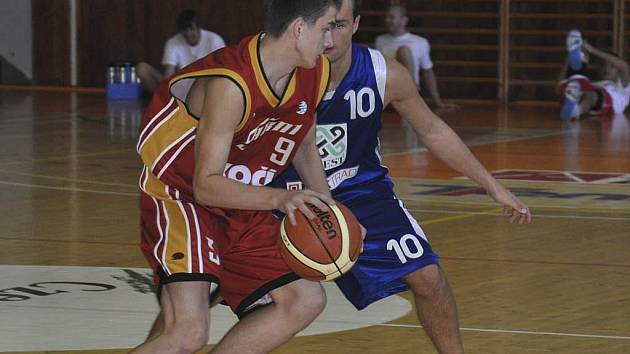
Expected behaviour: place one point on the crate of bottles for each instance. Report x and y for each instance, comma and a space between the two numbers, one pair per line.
122, 81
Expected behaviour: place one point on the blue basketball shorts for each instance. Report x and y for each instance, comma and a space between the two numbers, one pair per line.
394, 247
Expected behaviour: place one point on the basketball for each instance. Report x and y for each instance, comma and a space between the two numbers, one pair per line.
323, 248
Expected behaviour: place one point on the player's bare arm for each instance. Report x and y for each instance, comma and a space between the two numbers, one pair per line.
169, 70
219, 104
619, 63
441, 139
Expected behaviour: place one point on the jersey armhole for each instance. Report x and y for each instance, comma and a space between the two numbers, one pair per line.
380, 72
225, 73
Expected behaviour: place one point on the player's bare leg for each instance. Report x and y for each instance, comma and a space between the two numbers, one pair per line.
158, 323
588, 101
294, 307
436, 308
149, 76
157, 328
185, 319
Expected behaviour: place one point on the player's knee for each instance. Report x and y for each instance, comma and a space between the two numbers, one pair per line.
314, 302
189, 336
427, 282
303, 299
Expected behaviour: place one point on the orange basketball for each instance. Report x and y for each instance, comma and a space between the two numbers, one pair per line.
323, 248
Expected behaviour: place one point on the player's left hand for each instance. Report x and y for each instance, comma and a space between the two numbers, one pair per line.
513, 208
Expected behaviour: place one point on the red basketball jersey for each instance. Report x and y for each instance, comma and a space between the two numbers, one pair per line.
265, 140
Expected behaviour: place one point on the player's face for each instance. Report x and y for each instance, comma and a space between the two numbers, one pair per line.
192, 35
316, 38
394, 22
345, 27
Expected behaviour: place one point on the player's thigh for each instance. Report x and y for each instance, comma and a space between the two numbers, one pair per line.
181, 241
252, 265
187, 300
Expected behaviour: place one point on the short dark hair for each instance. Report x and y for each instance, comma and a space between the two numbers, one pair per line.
186, 19
280, 13
356, 8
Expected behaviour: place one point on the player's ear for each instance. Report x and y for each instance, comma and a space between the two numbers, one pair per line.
355, 24
297, 27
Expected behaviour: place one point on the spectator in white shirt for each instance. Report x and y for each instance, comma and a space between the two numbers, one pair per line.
410, 50
188, 45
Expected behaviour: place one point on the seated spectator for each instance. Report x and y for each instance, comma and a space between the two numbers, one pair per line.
579, 94
188, 45
410, 50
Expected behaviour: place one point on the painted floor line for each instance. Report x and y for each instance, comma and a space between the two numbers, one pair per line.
544, 216
510, 331
68, 189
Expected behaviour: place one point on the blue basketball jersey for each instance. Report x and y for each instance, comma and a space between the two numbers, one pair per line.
348, 122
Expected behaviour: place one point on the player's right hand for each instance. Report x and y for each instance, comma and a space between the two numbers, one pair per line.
290, 201
513, 208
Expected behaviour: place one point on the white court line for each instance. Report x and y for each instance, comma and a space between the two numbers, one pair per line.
490, 330
77, 180
536, 333
490, 203
440, 211
67, 189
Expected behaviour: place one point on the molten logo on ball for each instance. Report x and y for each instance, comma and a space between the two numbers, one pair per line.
324, 218
322, 248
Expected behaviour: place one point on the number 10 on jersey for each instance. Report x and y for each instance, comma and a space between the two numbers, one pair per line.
358, 101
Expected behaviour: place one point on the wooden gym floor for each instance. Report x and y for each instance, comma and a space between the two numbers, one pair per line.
72, 278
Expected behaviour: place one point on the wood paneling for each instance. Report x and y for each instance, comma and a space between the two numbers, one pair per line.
137, 30
51, 42
111, 30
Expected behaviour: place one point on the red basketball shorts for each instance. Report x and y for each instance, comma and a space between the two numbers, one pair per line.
604, 101
236, 249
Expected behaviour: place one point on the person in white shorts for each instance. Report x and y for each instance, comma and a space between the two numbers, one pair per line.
410, 50
188, 45
580, 95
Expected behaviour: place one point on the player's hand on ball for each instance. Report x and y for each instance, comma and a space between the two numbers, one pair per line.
293, 200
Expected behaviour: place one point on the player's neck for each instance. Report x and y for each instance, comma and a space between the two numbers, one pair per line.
277, 68
339, 69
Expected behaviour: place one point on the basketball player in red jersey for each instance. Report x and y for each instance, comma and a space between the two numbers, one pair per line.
212, 137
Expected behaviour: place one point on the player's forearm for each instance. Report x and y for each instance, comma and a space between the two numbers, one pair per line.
308, 165
169, 70
445, 144
615, 61
429, 79
221, 192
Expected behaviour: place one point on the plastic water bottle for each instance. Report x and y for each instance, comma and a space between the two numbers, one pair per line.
122, 74
133, 78
111, 74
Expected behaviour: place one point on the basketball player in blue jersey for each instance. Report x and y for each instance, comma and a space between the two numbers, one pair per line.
397, 255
